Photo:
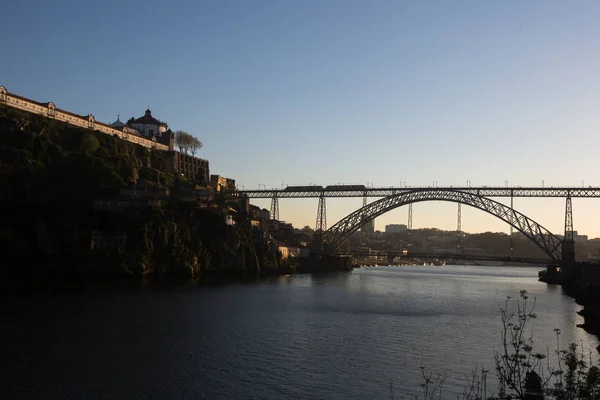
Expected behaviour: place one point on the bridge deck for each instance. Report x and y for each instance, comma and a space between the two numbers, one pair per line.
589, 192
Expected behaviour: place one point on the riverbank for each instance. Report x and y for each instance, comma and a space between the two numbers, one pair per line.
51, 282
582, 283
41, 273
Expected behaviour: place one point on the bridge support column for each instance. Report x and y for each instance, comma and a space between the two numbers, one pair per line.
367, 225
511, 227
317, 243
568, 244
321, 225
409, 226
459, 247
275, 208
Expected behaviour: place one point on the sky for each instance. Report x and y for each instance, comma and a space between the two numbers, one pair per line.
383, 92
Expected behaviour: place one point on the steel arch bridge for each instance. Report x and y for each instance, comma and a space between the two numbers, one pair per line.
341, 231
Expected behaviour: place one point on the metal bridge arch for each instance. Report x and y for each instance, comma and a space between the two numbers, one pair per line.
341, 231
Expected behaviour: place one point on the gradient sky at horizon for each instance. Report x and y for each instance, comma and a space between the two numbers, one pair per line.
351, 91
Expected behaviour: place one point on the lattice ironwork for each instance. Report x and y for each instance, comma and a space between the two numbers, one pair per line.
568, 244
318, 191
321, 225
459, 247
569, 221
275, 208
512, 245
342, 230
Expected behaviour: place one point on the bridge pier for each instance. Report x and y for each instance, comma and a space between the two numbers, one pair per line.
317, 245
459, 247
321, 225
511, 227
275, 207
568, 243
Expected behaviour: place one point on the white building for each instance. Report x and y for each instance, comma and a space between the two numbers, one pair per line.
395, 228
147, 125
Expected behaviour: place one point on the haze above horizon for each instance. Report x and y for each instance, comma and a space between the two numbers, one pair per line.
340, 91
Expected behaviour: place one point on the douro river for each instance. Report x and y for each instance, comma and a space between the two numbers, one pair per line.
335, 336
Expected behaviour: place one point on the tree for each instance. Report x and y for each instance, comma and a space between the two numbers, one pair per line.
187, 143
195, 146
182, 140
307, 230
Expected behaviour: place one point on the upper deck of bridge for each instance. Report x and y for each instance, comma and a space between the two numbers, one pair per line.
364, 191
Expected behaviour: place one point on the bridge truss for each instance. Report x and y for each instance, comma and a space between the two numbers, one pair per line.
543, 238
352, 191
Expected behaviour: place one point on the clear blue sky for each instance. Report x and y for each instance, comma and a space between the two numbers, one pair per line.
298, 92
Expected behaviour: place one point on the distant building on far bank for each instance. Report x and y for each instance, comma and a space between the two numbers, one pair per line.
369, 227
395, 228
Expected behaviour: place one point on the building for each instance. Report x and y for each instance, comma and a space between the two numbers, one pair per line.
146, 131
579, 238
264, 214
259, 214
118, 124
147, 125
396, 228
49, 110
288, 251
369, 227
196, 169
221, 184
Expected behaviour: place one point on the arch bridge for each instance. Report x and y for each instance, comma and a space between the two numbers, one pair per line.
329, 240
543, 238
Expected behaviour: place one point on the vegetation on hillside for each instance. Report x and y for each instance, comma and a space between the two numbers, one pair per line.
44, 158
53, 172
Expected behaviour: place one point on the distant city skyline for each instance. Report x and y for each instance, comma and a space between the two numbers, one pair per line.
346, 91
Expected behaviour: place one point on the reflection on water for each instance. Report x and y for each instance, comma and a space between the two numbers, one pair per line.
342, 335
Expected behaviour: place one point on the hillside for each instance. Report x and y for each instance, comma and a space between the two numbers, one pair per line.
45, 159
53, 175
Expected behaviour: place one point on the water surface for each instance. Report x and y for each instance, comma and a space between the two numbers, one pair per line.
334, 336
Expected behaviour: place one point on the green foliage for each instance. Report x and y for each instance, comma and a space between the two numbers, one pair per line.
44, 158
89, 143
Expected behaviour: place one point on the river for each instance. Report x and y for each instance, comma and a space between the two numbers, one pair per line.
333, 336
